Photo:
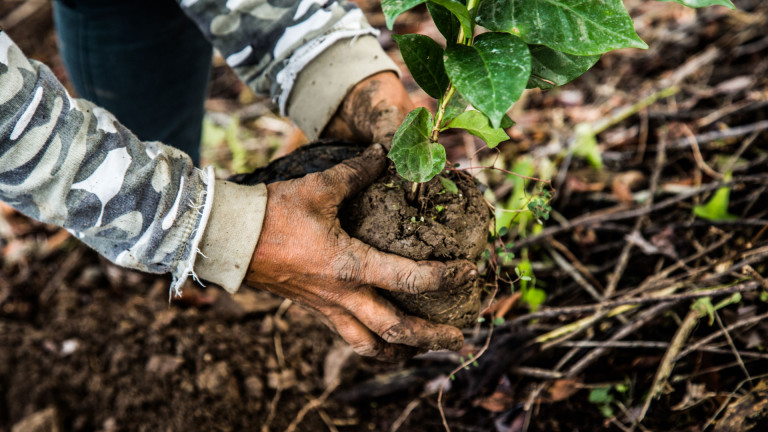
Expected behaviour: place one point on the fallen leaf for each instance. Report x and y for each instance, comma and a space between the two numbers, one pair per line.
625, 183
562, 389
497, 402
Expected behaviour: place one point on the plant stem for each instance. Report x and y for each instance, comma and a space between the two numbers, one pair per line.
462, 39
441, 112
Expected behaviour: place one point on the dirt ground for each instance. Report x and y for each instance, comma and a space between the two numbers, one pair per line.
623, 340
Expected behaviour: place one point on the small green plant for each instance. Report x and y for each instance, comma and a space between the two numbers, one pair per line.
716, 209
528, 44
604, 397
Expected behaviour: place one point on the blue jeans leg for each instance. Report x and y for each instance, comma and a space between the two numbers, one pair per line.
143, 60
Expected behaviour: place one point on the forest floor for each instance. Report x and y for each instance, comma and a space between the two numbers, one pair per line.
653, 317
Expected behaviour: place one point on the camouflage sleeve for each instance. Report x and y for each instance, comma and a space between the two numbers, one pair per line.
70, 163
269, 42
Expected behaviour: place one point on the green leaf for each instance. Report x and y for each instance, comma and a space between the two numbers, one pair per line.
717, 207
393, 8
459, 10
550, 68
449, 185
600, 395
416, 157
478, 125
535, 297
445, 21
574, 27
424, 58
704, 3
586, 145
492, 74
507, 122
524, 167
606, 411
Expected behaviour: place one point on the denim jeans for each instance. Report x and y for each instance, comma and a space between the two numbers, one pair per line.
143, 60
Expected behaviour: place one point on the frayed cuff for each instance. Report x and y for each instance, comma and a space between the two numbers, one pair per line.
186, 268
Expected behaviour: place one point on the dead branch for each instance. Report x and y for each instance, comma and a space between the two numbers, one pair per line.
668, 362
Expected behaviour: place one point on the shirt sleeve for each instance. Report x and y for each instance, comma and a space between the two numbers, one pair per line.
276, 47
67, 162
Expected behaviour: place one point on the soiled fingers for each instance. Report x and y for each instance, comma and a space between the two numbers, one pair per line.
395, 273
368, 344
395, 327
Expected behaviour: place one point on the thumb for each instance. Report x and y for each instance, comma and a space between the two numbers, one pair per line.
348, 178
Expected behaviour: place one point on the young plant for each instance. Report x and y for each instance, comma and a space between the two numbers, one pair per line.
528, 44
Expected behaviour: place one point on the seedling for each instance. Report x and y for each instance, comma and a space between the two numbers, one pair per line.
479, 75
717, 207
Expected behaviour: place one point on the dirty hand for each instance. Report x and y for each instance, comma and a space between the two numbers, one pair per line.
303, 254
372, 111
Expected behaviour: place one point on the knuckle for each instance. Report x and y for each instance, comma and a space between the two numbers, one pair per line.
408, 280
414, 280
348, 266
394, 333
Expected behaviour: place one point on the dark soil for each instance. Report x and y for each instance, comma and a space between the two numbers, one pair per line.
437, 225
114, 355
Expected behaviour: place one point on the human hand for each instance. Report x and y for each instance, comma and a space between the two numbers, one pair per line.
303, 254
372, 111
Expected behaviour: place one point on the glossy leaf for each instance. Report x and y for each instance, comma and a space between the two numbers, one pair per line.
393, 8
704, 3
459, 10
416, 157
550, 68
578, 28
478, 125
492, 74
424, 58
445, 21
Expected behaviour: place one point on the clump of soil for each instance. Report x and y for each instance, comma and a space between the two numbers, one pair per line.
440, 223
